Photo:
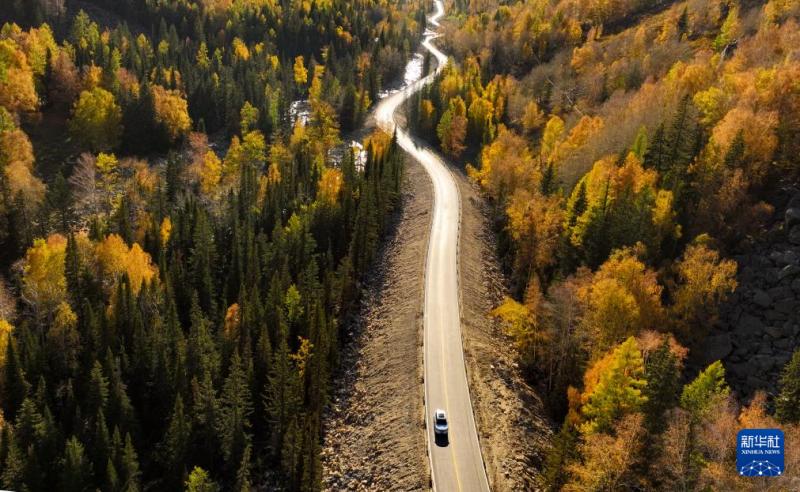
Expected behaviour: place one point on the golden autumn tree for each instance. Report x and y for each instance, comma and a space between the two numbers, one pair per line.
249, 151
322, 131
329, 186
97, 120
17, 162
44, 285
233, 319
624, 298
116, 258
523, 321
210, 173
172, 111
5, 332
17, 89
300, 72
165, 231
610, 459
427, 124
507, 164
480, 126
704, 281
553, 132
533, 117
535, 222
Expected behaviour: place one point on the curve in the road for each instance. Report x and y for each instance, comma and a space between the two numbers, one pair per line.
456, 462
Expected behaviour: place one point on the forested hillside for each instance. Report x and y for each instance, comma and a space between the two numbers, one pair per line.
170, 313
627, 147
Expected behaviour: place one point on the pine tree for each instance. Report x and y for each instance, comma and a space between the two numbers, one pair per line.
73, 273
49, 446
312, 465
596, 237
291, 452
101, 446
734, 158
176, 442
206, 411
787, 404
234, 412
200, 481
139, 120
680, 144
640, 144
549, 183
578, 205
119, 409
13, 476
97, 396
281, 394
76, 473
202, 354
129, 476
698, 396
112, 477
243, 474
15, 387
122, 219
655, 156
563, 452
172, 175
661, 373
347, 113
618, 391
28, 426
59, 198
683, 22
5, 443
202, 257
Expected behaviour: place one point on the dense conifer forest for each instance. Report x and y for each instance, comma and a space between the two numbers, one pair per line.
171, 289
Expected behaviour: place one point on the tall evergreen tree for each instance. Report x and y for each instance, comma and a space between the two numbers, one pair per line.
234, 413
787, 404
130, 474
281, 395
76, 474
59, 198
176, 443
206, 411
202, 257
661, 373
15, 387
243, 474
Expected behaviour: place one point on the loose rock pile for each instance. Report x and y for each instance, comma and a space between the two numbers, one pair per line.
759, 325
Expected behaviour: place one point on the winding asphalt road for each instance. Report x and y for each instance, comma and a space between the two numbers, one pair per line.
456, 462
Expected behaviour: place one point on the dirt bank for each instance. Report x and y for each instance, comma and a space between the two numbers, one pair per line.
510, 416
374, 438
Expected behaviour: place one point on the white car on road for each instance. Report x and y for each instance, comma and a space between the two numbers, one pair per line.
440, 422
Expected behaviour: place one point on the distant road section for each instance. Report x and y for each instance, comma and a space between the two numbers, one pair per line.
457, 464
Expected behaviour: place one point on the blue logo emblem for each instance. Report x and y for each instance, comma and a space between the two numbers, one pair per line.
759, 452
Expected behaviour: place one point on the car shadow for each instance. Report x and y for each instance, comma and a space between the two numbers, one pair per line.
442, 440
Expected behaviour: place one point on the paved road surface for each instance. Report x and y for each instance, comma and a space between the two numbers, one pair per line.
457, 464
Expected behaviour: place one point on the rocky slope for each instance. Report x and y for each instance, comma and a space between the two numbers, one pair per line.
759, 325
